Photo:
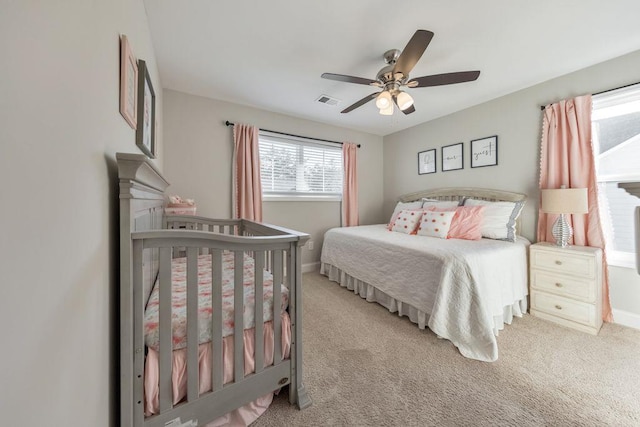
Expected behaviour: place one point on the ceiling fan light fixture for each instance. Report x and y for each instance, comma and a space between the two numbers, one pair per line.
383, 100
404, 100
387, 111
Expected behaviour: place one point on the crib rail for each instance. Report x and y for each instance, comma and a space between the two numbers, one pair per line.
270, 247
192, 222
233, 227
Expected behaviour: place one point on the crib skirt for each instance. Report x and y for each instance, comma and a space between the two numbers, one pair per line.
242, 416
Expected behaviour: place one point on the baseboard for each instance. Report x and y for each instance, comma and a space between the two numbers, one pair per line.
626, 318
310, 267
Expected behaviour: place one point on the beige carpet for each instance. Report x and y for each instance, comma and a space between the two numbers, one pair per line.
365, 366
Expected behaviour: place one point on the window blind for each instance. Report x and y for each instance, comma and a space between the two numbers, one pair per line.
291, 166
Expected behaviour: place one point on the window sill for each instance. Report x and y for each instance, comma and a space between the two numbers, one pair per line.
621, 259
301, 198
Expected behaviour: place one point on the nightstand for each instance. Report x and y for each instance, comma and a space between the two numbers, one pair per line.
566, 285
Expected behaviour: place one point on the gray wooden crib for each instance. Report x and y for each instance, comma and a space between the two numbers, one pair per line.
149, 241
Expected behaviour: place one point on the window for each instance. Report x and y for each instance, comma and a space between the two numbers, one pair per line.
616, 143
300, 168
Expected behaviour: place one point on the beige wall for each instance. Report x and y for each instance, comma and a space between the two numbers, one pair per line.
59, 129
199, 149
516, 119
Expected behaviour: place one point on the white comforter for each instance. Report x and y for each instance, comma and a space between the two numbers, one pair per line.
462, 285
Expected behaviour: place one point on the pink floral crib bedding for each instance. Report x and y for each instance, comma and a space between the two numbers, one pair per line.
179, 300
251, 411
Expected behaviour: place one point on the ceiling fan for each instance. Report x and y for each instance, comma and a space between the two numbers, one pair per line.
395, 76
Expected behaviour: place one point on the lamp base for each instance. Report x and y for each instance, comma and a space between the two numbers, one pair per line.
562, 231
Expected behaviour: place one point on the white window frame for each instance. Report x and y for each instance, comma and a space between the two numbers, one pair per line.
300, 196
610, 107
619, 258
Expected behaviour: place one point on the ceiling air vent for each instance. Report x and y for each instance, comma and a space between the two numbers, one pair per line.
327, 100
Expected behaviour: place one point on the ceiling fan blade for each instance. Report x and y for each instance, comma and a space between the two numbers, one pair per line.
349, 79
360, 103
412, 52
408, 110
444, 79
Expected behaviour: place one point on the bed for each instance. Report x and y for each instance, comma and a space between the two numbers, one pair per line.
198, 345
463, 290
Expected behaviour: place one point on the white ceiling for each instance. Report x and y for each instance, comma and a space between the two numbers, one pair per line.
270, 54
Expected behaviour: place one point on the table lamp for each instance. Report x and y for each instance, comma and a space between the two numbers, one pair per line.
564, 201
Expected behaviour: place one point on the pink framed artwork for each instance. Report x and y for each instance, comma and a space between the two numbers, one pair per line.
128, 83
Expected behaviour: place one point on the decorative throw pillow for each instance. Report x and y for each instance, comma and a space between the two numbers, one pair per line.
435, 224
499, 220
467, 223
401, 206
407, 221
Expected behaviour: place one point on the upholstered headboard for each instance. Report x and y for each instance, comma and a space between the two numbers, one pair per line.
460, 193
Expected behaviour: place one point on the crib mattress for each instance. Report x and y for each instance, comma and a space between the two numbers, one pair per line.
179, 300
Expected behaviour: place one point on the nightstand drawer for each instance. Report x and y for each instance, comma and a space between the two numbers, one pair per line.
565, 308
568, 263
571, 287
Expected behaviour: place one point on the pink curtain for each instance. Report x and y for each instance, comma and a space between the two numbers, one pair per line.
567, 158
246, 175
350, 185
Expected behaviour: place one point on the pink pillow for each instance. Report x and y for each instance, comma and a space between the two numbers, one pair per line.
407, 221
466, 223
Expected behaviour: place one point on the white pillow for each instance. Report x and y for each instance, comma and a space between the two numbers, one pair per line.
440, 204
407, 221
401, 206
435, 224
499, 220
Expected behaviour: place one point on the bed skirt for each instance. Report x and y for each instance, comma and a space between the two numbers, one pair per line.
419, 317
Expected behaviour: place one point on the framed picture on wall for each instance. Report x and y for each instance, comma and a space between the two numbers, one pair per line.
427, 162
146, 132
452, 157
484, 152
128, 83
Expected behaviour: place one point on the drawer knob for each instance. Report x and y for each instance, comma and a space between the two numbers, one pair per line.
558, 307
558, 285
558, 262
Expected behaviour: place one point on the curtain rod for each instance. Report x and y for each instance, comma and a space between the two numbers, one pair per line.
542, 107
228, 123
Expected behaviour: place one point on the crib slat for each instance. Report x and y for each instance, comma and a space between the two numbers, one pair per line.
165, 335
238, 308
216, 319
259, 314
192, 324
277, 307
200, 227
269, 261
